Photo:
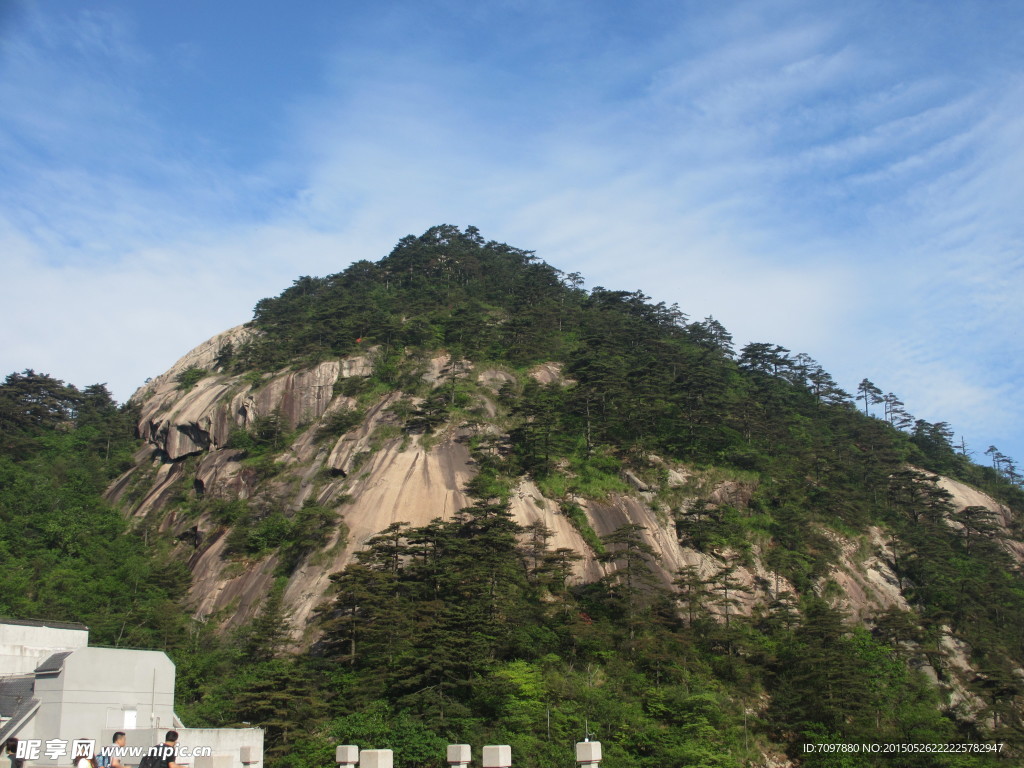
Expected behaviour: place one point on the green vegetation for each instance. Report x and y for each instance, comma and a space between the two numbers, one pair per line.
579, 520
66, 553
470, 629
266, 435
190, 377
338, 422
292, 535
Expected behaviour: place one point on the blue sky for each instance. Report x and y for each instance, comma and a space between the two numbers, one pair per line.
841, 179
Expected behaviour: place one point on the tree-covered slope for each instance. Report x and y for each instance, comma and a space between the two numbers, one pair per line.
66, 553
459, 498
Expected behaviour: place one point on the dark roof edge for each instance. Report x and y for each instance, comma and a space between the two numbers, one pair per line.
44, 623
19, 718
54, 663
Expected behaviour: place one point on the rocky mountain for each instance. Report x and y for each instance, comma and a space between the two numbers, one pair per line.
398, 392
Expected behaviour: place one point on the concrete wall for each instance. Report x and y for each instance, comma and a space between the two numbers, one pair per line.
225, 744
228, 742
102, 689
24, 647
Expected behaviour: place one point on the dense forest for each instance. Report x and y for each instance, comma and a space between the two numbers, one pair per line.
469, 630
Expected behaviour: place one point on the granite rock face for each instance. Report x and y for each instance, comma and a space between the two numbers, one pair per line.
179, 420
372, 472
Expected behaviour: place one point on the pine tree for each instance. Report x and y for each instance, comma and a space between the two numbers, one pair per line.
726, 588
869, 393
632, 584
692, 592
267, 634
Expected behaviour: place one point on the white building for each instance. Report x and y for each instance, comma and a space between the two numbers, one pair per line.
54, 687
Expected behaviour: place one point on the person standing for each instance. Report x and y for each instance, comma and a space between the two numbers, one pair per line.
12, 753
111, 756
164, 754
115, 757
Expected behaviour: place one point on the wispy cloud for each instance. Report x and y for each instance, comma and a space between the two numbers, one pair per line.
813, 176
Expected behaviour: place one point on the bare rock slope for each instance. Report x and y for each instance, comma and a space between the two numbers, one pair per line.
368, 473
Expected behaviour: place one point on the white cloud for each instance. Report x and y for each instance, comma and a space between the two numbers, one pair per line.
777, 171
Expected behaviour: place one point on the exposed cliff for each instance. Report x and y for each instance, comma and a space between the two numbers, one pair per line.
372, 475
375, 473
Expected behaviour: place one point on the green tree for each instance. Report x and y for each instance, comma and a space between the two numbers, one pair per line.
632, 586
869, 394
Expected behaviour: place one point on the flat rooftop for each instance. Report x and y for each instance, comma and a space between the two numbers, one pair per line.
43, 623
